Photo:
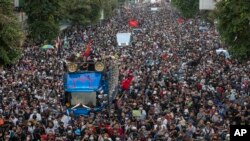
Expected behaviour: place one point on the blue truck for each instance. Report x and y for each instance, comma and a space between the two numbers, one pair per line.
86, 91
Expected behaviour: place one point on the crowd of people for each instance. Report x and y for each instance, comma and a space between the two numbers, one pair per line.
182, 88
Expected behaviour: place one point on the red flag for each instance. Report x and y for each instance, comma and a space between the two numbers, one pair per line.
133, 23
180, 20
126, 83
87, 51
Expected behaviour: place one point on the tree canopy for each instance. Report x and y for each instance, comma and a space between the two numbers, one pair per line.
44, 15
187, 8
11, 36
109, 6
82, 12
43, 18
233, 18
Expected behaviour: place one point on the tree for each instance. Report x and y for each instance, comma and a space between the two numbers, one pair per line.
11, 36
43, 19
109, 7
187, 8
233, 18
83, 12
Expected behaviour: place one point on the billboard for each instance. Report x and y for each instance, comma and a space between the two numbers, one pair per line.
123, 39
82, 81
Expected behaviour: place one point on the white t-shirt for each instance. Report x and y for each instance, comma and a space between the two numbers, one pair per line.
162, 126
38, 117
50, 130
65, 119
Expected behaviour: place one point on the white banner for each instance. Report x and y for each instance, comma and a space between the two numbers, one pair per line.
154, 9
207, 4
123, 39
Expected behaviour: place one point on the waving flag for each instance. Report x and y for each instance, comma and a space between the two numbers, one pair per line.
127, 82
133, 23
87, 51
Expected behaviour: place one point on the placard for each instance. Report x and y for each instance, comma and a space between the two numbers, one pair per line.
136, 113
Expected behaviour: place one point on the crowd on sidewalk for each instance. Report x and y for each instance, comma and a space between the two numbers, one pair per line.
183, 89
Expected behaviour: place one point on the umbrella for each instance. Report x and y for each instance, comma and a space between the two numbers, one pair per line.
47, 47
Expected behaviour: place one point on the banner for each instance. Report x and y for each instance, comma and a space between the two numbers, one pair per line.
207, 4
123, 39
82, 82
136, 113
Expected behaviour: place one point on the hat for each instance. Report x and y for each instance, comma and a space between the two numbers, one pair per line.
133, 128
210, 102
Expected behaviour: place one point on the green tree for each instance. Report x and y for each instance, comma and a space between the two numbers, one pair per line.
187, 8
11, 36
43, 18
233, 18
109, 6
83, 12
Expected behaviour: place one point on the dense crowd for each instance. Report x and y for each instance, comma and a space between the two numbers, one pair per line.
183, 89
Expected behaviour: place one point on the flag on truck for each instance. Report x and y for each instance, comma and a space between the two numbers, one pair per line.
87, 51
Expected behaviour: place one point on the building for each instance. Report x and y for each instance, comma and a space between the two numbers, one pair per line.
207, 4
19, 12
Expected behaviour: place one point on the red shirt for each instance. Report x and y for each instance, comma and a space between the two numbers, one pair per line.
220, 90
199, 86
109, 129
